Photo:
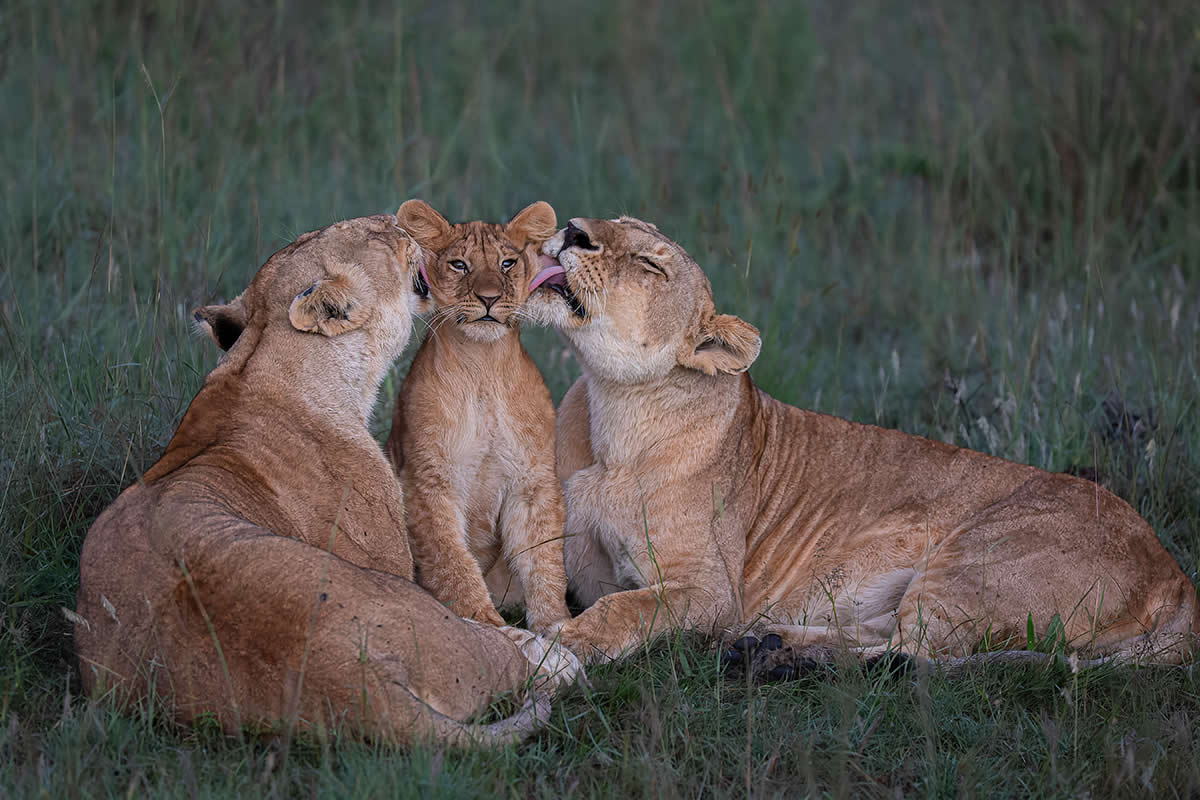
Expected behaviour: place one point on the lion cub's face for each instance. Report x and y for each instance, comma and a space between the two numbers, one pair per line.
478, 275
634, 304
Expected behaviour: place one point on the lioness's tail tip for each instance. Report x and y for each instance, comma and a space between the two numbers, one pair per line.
520, 726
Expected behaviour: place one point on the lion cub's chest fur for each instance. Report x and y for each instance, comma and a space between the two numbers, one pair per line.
485, 461
472, 439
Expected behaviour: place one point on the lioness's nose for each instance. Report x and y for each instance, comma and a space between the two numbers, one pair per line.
576, 237
488, 299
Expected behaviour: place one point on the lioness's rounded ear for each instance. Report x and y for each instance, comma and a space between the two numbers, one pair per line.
331, 306
726, 344
421, 222
534, 223
224, 323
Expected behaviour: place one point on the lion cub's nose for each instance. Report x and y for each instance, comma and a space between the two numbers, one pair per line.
488, 299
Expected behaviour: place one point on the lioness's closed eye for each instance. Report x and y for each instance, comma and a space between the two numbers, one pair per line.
473, 431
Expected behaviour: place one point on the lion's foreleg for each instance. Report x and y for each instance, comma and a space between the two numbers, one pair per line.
531, 526
621, 621
443, 559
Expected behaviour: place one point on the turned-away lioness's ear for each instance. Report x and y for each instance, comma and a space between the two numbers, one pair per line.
725, 344
224, 323
332, 306
422, 223
536, 222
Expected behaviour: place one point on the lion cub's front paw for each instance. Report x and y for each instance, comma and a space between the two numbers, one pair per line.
553, 630
488, 615
547, 623
554, 665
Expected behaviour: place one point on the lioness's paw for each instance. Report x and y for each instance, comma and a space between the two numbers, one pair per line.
769, 659
554, 665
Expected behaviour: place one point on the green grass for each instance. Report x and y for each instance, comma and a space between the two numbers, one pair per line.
976, 222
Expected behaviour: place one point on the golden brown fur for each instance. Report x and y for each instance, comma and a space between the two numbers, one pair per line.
473, 432
259, 571
696, 500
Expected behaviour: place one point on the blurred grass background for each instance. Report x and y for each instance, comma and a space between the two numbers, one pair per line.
973, 221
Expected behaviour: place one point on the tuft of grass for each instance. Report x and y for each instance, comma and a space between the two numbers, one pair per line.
976, 224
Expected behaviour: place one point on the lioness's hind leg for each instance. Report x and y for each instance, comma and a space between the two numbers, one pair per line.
306, 636
999, 579
993, 585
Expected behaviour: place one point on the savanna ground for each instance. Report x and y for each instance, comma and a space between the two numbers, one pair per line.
979, 222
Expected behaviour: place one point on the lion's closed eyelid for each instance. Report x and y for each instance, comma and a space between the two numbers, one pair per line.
652, 266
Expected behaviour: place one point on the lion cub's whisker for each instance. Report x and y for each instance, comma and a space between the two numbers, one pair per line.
479, 486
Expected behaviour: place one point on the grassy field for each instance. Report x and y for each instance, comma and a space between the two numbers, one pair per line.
978, 222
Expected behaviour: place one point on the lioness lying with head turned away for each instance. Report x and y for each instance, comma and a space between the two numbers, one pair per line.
259, 572
695, 500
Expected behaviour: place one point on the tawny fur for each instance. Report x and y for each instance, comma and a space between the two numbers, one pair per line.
259, 570
696, 500
473, 432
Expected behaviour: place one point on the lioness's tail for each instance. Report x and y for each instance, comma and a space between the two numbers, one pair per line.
510, 730
954, 667
1195, 617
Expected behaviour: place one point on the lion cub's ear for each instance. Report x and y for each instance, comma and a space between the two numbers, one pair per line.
332, 306
224, 323
725, 344
422, 223
534, 223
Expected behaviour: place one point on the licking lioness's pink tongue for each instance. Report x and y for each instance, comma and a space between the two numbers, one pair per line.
551, 272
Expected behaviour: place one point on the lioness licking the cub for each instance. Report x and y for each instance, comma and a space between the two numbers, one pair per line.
695, 500
472, 435
259, 572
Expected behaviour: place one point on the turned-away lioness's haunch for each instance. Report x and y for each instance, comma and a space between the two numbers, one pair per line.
259, 570
696, 500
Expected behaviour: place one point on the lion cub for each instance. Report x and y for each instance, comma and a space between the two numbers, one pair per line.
473, 432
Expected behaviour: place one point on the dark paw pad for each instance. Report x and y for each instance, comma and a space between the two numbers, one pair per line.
738, 657
779, 672
769, 660
747, 644
891, 664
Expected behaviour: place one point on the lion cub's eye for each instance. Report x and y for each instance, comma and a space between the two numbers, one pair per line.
507, 264
650, 265
458, 266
